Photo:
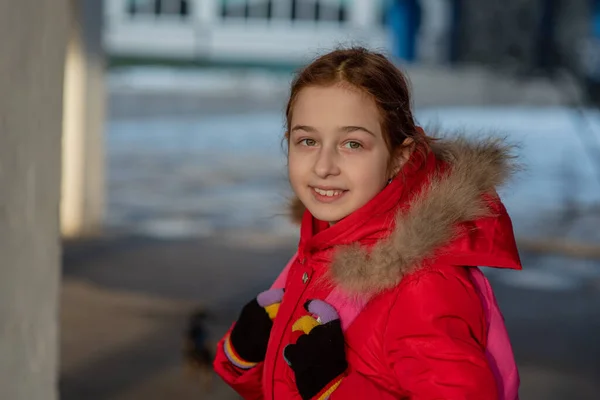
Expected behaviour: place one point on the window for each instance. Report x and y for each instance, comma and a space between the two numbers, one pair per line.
158, 7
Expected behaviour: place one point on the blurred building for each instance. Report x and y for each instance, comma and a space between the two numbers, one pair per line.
540, 35
240, 31
531, 33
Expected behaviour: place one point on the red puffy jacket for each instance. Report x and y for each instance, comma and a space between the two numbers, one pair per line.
422, 334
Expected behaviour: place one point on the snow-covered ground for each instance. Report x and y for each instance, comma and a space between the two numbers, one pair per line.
185, 176
181, 177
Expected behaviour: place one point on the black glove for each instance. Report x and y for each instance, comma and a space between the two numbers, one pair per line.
318, 358
250, 334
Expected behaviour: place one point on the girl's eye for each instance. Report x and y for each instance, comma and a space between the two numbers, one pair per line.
308, 142
352, 145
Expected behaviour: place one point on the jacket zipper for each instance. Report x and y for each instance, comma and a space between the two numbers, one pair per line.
301, 261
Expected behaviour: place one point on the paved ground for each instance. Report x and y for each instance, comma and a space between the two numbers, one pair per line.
125, 300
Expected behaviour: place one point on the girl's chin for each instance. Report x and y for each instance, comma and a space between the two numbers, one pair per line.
328, 213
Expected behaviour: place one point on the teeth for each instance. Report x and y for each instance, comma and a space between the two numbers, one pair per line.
328, 193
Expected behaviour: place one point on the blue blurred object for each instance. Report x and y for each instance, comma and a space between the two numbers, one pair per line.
596, 18
404, 20
592, 57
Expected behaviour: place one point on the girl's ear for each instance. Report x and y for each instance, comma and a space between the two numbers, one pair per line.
402, 155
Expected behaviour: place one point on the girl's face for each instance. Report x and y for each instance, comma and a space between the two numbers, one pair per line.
338, 159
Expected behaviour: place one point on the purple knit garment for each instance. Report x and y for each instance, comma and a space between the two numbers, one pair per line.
269, 297
324, 311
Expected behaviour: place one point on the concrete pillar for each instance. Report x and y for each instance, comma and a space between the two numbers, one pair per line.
205, 11
32, 54
364, 13
205, 14
83, 192
434, 36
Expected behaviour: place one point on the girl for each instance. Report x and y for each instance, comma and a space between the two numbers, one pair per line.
384, 299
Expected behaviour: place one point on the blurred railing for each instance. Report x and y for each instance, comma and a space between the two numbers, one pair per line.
240, 30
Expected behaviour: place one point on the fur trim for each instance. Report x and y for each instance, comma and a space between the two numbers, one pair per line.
477, 167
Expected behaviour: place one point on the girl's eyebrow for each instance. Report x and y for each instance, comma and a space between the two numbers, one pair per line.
349, 129
344, 129
305, 128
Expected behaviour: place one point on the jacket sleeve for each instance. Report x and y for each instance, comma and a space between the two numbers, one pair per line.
247, 383
435, 339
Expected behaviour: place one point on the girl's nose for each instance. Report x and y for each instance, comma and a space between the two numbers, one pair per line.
326, 163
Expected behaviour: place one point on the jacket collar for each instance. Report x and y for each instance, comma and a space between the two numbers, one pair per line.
442, 206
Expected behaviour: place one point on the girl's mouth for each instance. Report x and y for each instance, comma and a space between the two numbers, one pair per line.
327, 195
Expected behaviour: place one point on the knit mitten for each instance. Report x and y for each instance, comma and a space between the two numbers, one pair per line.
247, 343
318, 358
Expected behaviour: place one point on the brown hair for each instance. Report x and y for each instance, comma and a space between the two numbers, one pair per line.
373, 74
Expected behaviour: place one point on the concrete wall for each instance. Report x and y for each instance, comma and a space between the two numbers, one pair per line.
83, 193
32, 53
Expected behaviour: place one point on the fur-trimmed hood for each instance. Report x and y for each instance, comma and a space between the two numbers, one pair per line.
465, 193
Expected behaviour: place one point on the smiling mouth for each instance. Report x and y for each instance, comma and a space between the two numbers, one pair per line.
329, 192
327, 195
